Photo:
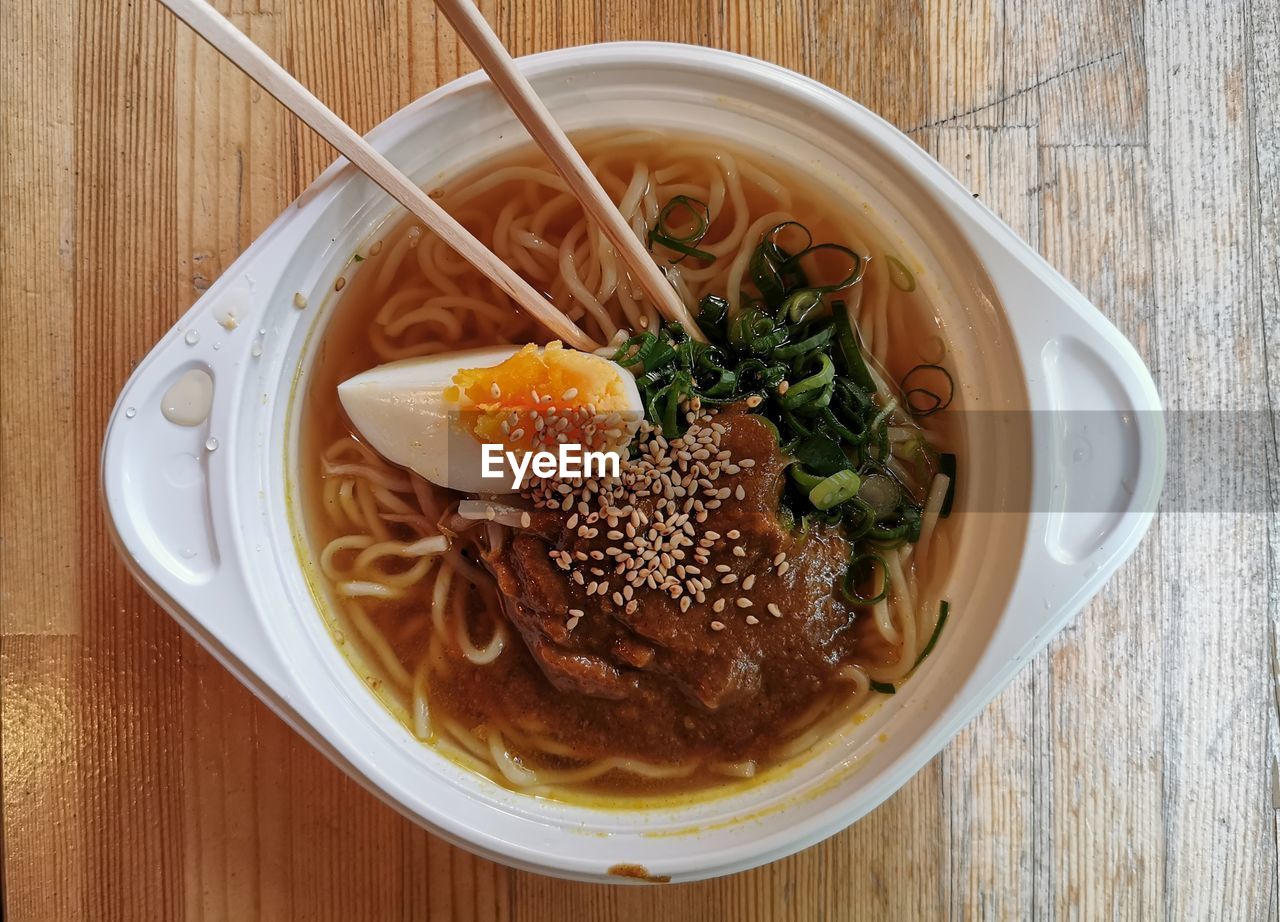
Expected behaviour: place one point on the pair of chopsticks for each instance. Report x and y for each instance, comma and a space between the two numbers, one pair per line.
533, 114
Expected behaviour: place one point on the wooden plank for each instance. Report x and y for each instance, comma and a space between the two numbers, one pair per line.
1262, 27
995, 796
1216, 797
44, 871
1073, 71
37, 304
1095, 220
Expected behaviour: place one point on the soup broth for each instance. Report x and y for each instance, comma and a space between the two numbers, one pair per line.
458, 670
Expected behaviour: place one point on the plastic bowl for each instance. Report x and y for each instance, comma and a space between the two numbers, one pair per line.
203, 514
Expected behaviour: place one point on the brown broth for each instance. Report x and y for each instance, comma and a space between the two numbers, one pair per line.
512, 691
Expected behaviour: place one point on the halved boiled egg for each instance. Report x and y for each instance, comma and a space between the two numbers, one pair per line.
434, 415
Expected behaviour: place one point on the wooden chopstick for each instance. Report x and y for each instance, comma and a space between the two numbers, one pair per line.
548, 135
210, 25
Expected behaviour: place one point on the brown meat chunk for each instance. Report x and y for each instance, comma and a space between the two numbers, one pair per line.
662, 650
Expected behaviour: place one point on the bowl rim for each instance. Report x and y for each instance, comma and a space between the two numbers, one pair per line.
791, 838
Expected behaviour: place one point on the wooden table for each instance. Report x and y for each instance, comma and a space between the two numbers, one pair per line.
1128, 772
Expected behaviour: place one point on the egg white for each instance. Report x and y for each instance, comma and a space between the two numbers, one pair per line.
400, 410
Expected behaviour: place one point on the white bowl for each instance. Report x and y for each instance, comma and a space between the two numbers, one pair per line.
207, 529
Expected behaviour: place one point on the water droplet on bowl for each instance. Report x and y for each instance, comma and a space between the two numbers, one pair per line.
217, 346
211, 444
192, 337
183, 470
256, 349
187, 553
130, 412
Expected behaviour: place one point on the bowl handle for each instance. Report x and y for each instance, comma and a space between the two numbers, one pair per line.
1096, 420
160, 478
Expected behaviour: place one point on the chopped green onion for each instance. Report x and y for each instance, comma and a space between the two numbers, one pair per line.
834, 490
884, 414
814, 391
801, 304
662, 232
821, 454
756, 331
881, 494
900, 275
682, 248
922, 400
713, 310
829, 419
852, 575
774, 251
855, 366
947, 465
944, 609
806, 345
803, 478
851, 278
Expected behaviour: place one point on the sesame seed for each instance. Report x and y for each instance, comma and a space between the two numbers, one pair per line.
783, 387
525, 520
728, 578
495, 391
618, 599
685, 602
573, 523
576, 612
781, 557
739, 551
740, 493
734, 534
783, 567
744, 603
717, 625
718, 605
754, 401
749, 581
572, 623
774, 609
752, 619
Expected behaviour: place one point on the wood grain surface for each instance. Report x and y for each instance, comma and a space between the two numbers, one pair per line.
1130, 770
